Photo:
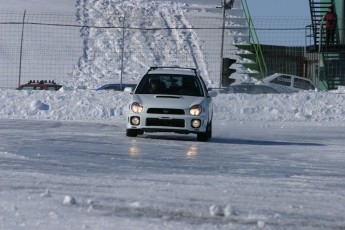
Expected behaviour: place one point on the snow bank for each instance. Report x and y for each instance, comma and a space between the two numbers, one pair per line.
112, 105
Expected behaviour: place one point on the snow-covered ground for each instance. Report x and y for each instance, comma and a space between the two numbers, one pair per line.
58, 174
274, 162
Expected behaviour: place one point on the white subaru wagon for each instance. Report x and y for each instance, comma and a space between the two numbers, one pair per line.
171, 99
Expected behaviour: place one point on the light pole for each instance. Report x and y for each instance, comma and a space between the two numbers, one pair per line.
226, 5
123, 47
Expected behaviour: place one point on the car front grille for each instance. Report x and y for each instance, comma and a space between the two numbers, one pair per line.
165, 122
165, 111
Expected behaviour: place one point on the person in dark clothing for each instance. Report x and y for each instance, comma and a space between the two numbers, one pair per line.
331, 25
153, 86
156, 86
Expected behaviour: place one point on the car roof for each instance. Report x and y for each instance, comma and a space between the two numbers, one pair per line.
280, 74
44, 85
173, 70
40, 82
47, 84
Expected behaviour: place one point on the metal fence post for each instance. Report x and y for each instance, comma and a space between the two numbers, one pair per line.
123, 47
226, 5
222, 48
21, 49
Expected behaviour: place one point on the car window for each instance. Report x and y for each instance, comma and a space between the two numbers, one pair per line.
282, 80
170, 84
39, 88
191, 86
113, 87
309, 86
204, 85
28, 88
53, 88
303, 84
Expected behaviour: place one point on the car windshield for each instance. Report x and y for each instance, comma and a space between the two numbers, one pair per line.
170, 84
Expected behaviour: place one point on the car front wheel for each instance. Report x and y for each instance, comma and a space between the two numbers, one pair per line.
204, 136
131, 133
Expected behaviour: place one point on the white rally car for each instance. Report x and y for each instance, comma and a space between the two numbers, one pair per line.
171, 99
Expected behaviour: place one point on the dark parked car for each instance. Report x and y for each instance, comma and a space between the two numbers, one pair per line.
254, 89
117, 87
40, 85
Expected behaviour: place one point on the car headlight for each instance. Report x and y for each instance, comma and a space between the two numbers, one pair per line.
136, 107
195, 110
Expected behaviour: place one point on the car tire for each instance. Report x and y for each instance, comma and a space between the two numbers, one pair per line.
204, 136
131, 133
209, 130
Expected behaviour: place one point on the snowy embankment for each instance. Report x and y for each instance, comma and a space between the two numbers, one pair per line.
103, 59
88, 105
100, 63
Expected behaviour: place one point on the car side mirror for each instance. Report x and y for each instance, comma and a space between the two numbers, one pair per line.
212, 93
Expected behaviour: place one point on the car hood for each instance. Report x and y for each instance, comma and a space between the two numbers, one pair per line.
167, 101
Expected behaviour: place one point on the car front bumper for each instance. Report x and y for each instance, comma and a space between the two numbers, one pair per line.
167, 123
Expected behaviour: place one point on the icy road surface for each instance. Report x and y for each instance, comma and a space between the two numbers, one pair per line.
83, 175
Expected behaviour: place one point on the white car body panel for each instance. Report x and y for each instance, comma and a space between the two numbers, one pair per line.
167, 101
168, 112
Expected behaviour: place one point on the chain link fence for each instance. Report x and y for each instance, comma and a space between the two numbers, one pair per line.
36, 46
118, 47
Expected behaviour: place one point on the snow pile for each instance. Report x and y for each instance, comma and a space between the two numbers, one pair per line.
341, 89
112, 105
105, 52
38, 105
101, 64
219, 210
69, 200
302, 106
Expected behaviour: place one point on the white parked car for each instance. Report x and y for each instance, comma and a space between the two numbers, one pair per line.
293, 82
171, 99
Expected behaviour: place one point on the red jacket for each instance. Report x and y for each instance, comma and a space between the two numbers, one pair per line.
331, 20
